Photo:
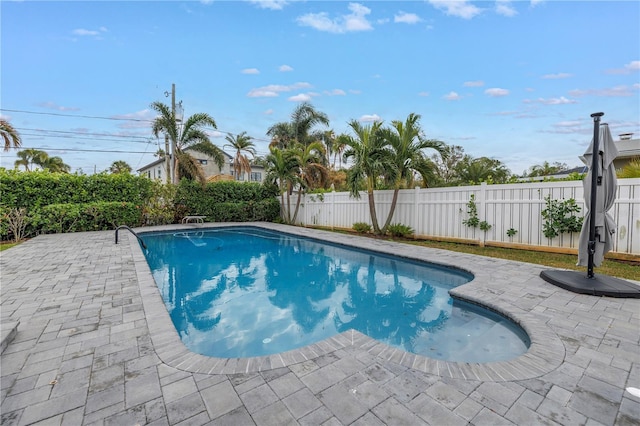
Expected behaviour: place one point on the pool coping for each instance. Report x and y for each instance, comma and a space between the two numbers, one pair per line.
545, 354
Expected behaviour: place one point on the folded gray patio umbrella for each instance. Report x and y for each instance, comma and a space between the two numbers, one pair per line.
596, 237
605, 195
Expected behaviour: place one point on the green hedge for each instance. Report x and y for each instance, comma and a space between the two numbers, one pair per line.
228, 201
100, 216
33, 190
60, 202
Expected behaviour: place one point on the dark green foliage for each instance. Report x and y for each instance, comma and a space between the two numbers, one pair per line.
100, 216
472, 210
399, 230
37, 189
485, 226
560, 217
62, 202
362, 227
227, 201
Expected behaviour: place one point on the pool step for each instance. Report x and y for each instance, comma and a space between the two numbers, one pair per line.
8, 331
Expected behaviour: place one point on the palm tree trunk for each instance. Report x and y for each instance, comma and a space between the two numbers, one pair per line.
396, 190
282, 212
289, 204
295, 214
372, 212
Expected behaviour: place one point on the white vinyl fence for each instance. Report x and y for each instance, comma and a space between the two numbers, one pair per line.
439, 212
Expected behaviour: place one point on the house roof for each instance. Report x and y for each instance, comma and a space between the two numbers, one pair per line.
628, 148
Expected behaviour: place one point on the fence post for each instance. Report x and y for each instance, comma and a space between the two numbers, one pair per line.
416, 210
332, 212
482, 209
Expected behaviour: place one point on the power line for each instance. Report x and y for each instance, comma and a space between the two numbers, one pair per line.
76, 116
83, 150
76, 132
93, 140
139, 120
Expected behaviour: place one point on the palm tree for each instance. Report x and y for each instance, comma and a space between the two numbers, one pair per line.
408, 145
120, 166
241, 142
472, 171
371, 158
546, 169
30, 157
55, 165
281, 168
190, 137
311, 173
9, 135
339, 145
300, 128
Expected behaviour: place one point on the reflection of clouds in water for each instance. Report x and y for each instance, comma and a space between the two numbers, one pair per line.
439, 303
254, 298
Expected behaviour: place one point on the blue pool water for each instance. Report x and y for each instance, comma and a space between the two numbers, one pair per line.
244, 292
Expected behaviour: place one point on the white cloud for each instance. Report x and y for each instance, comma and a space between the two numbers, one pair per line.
423, 94
285, 68
552, 101
250, 71
406, 18
370, 118
616, 91
460, 8
477, 83
270, 4
354, 21
300, 97
136, 120
557, 76
53, 105
335, 92
504, 8
216, 134
268, 112
496, 92
632, 66
85, 32
452, 96
355, 91
273, 90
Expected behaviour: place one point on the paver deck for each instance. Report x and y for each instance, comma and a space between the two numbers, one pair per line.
95, 345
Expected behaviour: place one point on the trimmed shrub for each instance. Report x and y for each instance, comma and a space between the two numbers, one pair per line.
361, 227
100, 216
227, 201
33, 190
399, 230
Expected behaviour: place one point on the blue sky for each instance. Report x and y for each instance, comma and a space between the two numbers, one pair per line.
512, 80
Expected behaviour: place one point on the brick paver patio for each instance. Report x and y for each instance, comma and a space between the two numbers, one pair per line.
94, 345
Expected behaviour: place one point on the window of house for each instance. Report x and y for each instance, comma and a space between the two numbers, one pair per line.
203, 162
256, 177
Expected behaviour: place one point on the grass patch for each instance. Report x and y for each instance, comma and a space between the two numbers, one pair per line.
5, 246
611, 267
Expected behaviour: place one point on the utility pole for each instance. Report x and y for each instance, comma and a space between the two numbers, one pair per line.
167, 157
172, 157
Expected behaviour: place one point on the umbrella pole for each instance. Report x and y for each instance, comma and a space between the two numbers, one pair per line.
594, 183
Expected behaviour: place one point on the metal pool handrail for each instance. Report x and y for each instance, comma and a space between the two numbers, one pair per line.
144, 246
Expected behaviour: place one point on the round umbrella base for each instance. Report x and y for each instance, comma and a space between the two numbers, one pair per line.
599, 285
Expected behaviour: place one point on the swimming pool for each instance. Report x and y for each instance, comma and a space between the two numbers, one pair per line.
245, 292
